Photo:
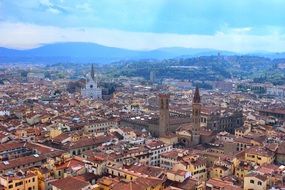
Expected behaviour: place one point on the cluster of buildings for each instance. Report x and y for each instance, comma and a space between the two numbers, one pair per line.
146, 137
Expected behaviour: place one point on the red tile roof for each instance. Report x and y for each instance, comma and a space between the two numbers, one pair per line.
70, 183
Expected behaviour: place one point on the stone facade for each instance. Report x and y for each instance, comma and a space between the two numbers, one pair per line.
163, 114
196, 117
91, 89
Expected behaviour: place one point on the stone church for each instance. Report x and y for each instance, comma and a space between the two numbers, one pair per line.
188, 129
91, 89
193, 134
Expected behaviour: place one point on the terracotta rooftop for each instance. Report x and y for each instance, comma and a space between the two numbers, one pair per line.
70, 183
257, 175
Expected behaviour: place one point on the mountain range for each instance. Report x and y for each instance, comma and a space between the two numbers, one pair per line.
90, 52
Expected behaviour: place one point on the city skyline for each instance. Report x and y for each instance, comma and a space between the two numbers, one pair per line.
142, 94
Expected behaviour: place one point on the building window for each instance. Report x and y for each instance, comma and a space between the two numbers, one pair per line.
252, 156
252, 181
259, 183
18, 184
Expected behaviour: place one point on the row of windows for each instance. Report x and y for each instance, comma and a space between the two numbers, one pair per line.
98, 130
258, 183
199, 171
203, 120
221, 171
199, 166
156, 162
161, 150
118, 174
241, 145
253, 156
78, 152
99, 124
241, 175
17, 184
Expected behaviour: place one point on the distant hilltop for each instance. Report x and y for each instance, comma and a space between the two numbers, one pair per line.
90, 52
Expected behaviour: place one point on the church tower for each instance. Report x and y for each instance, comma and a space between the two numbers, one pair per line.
91, 89
196, 117
92, 73
163, 114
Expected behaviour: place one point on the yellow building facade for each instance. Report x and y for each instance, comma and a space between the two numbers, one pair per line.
24, 182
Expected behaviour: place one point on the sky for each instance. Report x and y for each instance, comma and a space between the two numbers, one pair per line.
233, 25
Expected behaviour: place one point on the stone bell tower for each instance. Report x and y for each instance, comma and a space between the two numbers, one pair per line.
163, 114
196, 117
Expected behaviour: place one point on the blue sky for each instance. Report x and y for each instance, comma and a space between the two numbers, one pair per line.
235, 25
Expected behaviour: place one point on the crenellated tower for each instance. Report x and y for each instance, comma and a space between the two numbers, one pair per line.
163, 114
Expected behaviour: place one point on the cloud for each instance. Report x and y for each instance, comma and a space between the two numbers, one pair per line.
46, 2
22, 36
154, 16
84, 7
242, 30
52, 7
53, 10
